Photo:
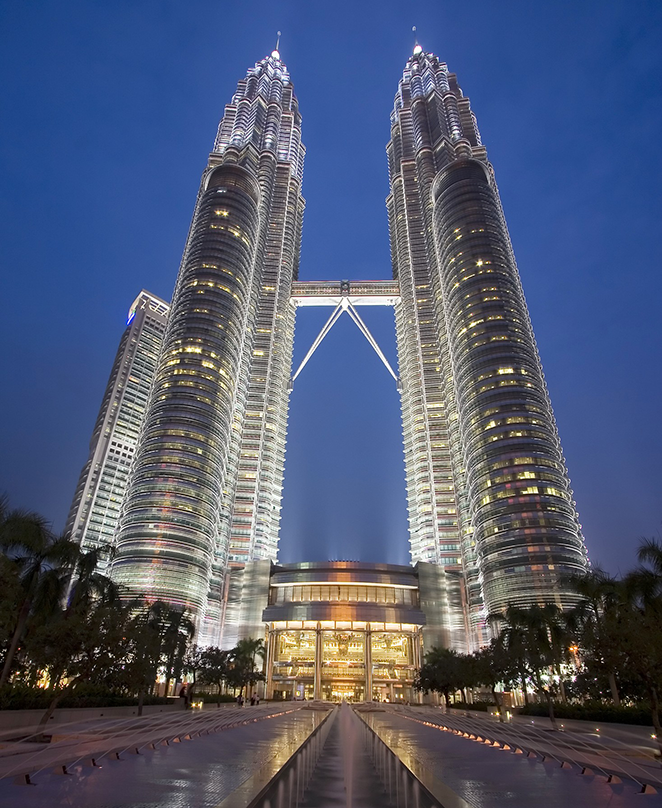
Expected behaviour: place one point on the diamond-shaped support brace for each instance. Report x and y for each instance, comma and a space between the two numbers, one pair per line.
344, 305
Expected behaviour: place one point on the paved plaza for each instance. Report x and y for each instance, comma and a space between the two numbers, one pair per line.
200, 770
485, 777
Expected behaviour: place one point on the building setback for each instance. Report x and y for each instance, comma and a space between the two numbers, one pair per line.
96, 506
206, 482
488, 492
487, 486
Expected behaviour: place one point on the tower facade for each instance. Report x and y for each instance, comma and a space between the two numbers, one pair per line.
487, 486
206, 482
95, 509
488, 492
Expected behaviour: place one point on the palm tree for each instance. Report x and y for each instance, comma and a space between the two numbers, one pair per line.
512, 632
593, 619
42, 562
244, 655
536, 639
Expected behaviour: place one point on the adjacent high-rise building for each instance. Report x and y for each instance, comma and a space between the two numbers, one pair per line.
206, 482
488, 492
487, 485
100, 491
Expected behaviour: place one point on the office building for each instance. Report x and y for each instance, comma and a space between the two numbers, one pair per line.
487, 486
489, 499
205, 488
100, 491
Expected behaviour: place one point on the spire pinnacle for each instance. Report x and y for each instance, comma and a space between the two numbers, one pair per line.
417, 48
275, 53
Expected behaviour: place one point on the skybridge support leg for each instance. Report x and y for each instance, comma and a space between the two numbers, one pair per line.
344, 305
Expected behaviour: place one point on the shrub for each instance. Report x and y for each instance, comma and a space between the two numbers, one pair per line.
478, 706
595, 711
26, 698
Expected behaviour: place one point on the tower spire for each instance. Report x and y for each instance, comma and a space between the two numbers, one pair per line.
276, 53
417, 47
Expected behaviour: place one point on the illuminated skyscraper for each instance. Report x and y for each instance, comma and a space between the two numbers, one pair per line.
95, 510
487, 486
488, 492
206, 484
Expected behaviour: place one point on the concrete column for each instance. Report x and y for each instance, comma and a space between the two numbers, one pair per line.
367, 652
417, 647
317, 691
271, 651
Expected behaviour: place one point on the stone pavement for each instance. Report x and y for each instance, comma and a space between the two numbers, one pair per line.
492, 778
193, 774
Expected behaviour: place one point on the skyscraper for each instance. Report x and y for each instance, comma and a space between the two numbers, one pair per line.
102, 484
206, 482
487, 486
488, 493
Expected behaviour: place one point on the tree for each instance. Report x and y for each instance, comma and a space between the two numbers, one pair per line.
177, 632
444, 671
42, 562
193, 663
537, 640
215, 668
243, 671
512, 632
641, 624
595, 625
494, 666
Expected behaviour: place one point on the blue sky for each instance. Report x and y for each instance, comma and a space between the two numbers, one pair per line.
107, 114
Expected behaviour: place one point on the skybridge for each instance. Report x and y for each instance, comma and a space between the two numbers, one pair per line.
345, 296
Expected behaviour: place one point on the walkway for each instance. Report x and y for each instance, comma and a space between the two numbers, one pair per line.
488, 777
196, 773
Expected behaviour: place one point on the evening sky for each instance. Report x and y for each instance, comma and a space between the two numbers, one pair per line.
108, 112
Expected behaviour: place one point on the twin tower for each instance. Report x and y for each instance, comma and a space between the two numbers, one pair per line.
488, 493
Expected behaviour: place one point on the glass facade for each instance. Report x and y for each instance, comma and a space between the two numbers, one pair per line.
205, 490
488, 492
489, 499
338, 660
353, 630
95, 509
